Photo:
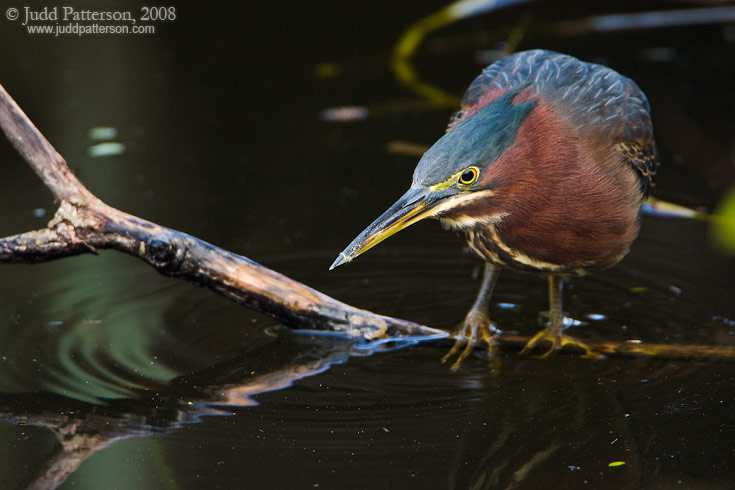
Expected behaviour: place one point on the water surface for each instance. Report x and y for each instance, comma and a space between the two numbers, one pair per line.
219, 112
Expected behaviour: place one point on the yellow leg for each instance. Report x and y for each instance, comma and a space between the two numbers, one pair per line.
477, 322
554, 332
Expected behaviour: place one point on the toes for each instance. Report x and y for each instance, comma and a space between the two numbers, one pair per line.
554, 347
465, 352
588, 352
531, 344
467, 338
557, 343
455, 348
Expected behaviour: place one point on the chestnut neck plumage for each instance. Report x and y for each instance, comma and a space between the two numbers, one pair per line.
550, 202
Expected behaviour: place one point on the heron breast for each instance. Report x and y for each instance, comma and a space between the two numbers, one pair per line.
488, 245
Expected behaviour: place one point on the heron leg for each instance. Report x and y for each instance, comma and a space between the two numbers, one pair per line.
477, 322
554, 332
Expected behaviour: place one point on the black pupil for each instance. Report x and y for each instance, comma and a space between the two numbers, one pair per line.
468, 176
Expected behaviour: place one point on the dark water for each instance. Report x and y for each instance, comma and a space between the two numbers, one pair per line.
164, 385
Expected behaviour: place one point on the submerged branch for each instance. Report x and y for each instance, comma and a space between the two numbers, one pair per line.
628, 348
84, 224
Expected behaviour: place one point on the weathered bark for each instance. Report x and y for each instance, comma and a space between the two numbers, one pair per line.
84, 224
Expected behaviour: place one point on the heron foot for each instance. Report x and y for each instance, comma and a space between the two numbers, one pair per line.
558, 340
476, 326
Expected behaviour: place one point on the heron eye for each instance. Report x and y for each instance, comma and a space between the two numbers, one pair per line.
468, 176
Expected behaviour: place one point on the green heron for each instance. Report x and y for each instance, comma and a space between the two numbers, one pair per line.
543, 170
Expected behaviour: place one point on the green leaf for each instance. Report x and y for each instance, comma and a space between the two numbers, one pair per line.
723, 225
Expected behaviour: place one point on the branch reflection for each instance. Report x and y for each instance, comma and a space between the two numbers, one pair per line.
82, 429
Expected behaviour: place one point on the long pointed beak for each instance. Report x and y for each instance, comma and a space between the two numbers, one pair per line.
413, 206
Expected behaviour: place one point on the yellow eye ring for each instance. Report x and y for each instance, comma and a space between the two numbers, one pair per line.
468, 176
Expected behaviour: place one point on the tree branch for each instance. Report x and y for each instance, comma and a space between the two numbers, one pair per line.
84, 224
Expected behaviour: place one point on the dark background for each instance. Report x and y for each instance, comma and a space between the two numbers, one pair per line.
219, 112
